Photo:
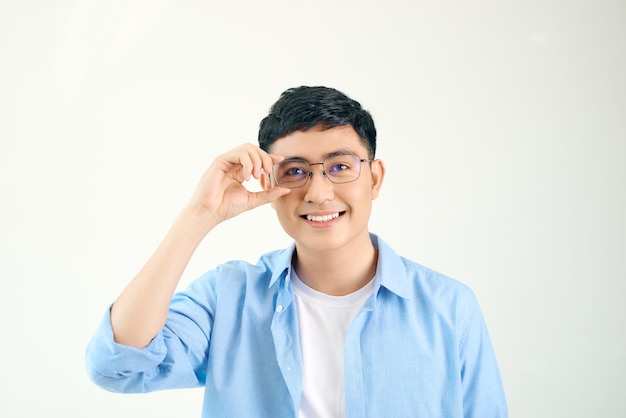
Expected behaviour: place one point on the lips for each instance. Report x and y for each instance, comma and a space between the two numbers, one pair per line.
322, 218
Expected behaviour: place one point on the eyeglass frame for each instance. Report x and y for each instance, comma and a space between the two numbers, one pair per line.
309, 174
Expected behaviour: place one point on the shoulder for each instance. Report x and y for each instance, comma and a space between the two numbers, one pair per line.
433, 282
440, 293
268, 267
233, 281
411, 279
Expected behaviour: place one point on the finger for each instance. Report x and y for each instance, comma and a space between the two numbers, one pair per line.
267, 196
256, 157
247, 165
270, 160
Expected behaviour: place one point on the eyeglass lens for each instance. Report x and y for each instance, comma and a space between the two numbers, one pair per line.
338, 169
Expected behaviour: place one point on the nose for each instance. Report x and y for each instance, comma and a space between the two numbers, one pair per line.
318, 189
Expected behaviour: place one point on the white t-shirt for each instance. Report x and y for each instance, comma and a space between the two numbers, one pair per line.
324, 321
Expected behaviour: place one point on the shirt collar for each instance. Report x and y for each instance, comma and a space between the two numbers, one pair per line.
390, 271
280, 263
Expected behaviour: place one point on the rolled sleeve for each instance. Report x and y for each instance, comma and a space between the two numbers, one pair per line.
112, 365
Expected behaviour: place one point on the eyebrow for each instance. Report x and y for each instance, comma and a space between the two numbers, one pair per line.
341, 151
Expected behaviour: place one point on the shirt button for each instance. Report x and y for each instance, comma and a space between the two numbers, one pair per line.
279, 308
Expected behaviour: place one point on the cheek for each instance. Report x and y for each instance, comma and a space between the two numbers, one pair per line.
362, 194
282, 205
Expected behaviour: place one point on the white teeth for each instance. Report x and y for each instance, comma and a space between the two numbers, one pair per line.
324, 218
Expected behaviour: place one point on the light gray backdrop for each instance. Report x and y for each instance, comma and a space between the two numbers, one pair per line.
502, 124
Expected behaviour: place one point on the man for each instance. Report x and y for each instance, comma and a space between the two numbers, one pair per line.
336, 325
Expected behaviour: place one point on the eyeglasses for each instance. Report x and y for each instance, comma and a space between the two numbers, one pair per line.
296, 172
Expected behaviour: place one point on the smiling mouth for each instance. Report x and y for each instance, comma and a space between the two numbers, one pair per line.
323, 218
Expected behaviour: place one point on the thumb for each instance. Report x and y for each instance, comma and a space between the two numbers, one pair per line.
267, 196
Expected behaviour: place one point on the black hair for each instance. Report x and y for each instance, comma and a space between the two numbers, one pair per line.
301, 108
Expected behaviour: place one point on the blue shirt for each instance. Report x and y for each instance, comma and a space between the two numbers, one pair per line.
418, 347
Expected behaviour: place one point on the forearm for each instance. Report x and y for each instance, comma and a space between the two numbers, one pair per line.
141, 310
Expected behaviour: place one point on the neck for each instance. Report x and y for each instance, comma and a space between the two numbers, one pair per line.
337, 272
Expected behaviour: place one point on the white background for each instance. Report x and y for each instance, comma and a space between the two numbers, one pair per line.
502, 124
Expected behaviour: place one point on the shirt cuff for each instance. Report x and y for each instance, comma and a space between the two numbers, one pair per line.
107, 358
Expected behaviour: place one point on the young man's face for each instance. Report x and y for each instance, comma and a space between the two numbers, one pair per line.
321, 215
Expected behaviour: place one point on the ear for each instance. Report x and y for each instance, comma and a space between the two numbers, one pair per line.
378, 175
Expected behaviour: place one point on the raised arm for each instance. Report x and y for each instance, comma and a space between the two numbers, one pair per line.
141, 310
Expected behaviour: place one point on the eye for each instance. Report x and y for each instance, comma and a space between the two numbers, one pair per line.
337, 167
294, 172
291, 170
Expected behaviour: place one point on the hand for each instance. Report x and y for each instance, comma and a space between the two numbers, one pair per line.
221, 192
